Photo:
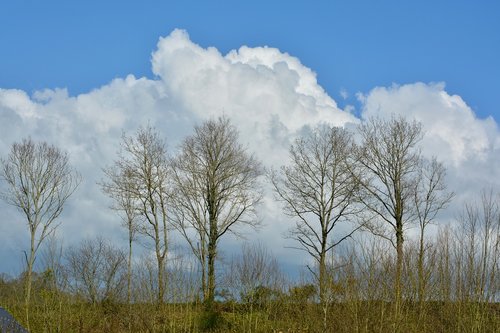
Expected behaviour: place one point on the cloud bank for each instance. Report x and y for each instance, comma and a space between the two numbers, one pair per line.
467, 145
269, 95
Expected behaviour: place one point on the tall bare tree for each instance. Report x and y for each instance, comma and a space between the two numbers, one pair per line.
39, 180
120, 187
479, 234
390, 160
216, 191
138, 181
319, 190
430, 197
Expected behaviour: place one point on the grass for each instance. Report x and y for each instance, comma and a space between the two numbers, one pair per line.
361, 316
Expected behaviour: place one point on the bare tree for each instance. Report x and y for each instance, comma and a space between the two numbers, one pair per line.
490, 233
144, 279
478, 232
215, 190
390, 162
120, 187
138, 182
39, 180
319, 189
430, 197
255, 274
97, 270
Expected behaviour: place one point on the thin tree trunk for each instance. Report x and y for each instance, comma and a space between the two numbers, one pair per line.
322, 278
29, 273
212, 252
212, 244
129, 271
129, 280
161, 289
204, 277
27, 296
160, 260
323, 283
399, 271
322, 269
421, 283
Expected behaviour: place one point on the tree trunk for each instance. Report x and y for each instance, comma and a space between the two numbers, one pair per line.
129, 270
322, 266
322, 278
160, 259
323, 274
323, 285
129, 280
203, 264
161, 287
204, 278
421, 283
399, 270
29, 273
212, 245
212, 252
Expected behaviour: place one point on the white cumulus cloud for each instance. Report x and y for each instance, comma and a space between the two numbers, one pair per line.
452, 130
469, 146
269, 95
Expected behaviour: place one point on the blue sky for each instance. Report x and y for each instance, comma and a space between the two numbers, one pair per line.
77, 74
351, 45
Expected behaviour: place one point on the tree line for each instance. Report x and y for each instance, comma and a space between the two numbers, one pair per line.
352, 198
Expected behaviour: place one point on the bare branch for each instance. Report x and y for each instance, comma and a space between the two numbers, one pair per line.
39, 180
215, 191
319, 190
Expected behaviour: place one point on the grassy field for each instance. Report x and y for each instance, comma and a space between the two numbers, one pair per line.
349, 316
